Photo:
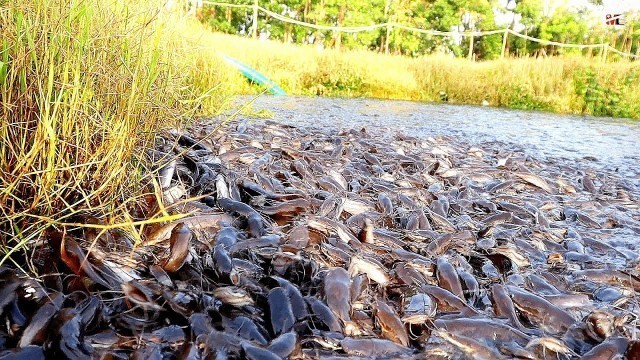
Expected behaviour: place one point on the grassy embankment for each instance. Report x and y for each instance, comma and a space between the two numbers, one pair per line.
84, 86
565, 85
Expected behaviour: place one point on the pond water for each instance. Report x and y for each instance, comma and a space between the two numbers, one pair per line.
603, 143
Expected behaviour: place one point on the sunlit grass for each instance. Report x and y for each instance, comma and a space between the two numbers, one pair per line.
84, 88
551, 84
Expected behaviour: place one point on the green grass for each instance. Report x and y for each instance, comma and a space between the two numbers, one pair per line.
577, 85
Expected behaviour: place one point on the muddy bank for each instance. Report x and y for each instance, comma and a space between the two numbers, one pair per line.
304, 243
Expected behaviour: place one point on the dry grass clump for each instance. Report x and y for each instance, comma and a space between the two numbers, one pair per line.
84, 86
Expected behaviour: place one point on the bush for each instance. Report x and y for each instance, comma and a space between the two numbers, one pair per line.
600, 99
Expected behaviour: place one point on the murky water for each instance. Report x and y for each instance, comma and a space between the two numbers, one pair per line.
602, 143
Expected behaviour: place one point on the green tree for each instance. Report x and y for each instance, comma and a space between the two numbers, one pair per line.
530, 15
563, 26
227, 20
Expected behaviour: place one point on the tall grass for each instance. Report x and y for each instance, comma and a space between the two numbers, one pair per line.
84, 87
578, 85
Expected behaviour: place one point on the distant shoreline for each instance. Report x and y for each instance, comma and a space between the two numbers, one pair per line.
566, 85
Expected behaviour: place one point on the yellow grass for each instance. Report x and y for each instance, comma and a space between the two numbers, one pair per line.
84, 87
565, 84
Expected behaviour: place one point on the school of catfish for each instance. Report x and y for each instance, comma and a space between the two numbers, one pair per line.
307, 243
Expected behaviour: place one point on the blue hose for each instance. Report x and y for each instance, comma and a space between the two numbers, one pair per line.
254, 76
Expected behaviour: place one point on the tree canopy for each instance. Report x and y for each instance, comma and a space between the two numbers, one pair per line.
530, 17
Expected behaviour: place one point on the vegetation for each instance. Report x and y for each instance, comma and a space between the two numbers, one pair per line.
530, 17
532, 76
568, 84
84, 86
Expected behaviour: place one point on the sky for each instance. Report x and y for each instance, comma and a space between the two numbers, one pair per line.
616, 5
609, 6
598, 12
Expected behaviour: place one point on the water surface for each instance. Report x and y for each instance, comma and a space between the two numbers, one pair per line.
607, 144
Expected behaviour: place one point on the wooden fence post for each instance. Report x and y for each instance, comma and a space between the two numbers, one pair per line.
605, 51
504, 43
386, 40
471, 46
254, 27
387, 14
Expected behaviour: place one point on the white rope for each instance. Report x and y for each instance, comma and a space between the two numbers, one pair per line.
623, 53
357, 29
448, 33
548, 42
353, 29
227, 4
